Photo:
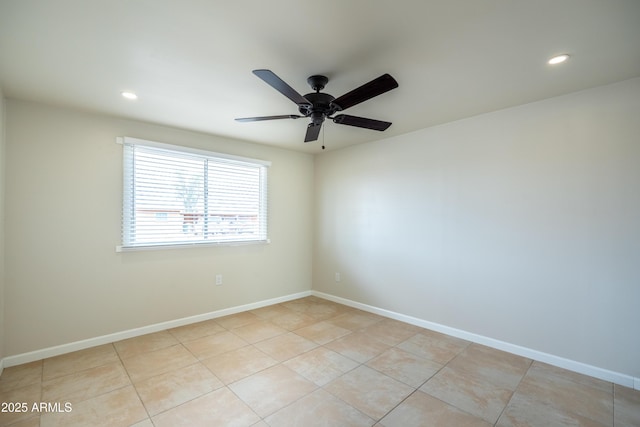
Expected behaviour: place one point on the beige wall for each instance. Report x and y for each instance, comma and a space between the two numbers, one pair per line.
64, 280
520, 225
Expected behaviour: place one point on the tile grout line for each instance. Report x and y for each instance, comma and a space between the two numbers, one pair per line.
364, 364
398, 404
322, 387
359, 364
85, 370
514, 391
613, 405
197, 361
132, 384
317, 387
445, 402
41, 390
417, 389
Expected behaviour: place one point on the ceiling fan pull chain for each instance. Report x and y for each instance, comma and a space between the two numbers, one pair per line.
323, 127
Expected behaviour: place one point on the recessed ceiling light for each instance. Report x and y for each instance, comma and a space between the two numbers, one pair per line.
129, 95
558, 59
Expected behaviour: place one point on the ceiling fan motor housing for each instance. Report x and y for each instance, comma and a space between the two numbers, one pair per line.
320, 108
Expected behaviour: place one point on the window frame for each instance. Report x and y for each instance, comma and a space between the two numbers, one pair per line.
128, 201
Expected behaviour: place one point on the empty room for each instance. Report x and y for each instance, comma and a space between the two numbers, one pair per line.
339, 213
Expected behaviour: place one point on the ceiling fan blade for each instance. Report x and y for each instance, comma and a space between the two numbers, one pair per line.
259, 119
313, 131
278, 84
361, 122
375, 87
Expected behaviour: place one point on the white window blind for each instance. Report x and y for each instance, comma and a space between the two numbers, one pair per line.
178, 196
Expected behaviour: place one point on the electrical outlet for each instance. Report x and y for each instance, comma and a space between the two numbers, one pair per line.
218, 279
337, 277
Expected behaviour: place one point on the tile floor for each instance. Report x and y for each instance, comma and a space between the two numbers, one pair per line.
308, 362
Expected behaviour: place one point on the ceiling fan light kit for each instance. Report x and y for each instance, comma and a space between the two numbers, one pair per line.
319, 106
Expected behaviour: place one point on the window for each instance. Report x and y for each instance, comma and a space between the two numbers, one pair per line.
179, 196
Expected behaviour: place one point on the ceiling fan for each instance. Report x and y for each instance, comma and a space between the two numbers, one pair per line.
320, 106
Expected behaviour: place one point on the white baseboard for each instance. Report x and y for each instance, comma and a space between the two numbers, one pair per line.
32, 356
571, 365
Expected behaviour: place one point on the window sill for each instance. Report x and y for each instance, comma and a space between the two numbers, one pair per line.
160, 247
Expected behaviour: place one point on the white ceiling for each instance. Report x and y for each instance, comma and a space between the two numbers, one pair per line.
190, 61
